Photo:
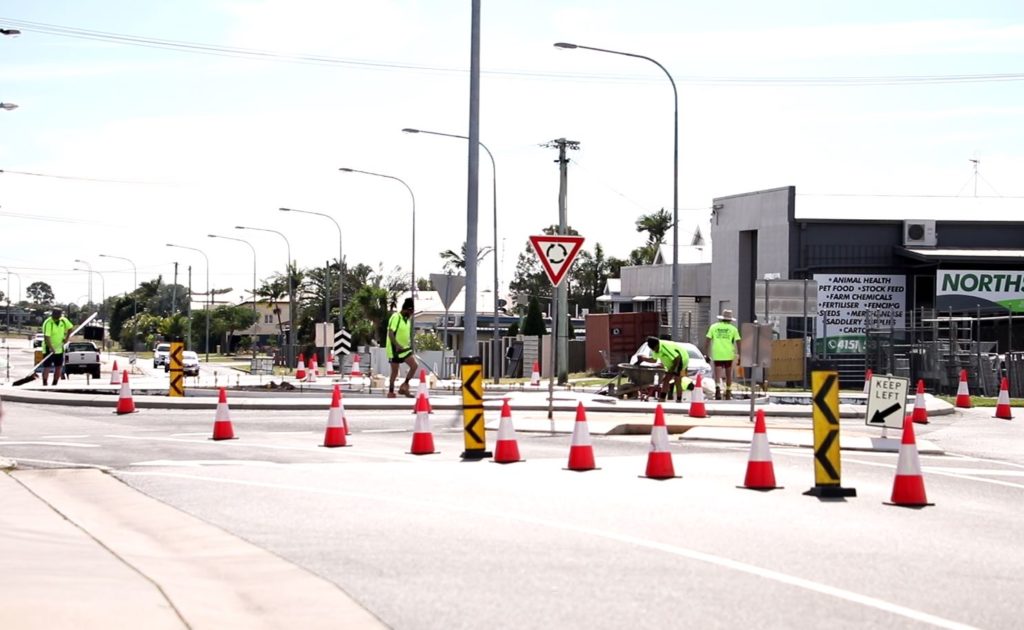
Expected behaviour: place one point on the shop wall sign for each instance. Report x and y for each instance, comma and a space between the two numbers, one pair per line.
846, 302
970, 290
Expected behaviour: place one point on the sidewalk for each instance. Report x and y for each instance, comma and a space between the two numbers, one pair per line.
82, 550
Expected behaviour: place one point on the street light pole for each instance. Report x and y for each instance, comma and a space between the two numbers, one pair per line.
255, 323
208, 296
341, 265
290, 350
7, 330
496, 336
675, 177
79, 260
412, 287
135, 300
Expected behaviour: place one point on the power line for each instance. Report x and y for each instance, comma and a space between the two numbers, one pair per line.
270, 55
82, 179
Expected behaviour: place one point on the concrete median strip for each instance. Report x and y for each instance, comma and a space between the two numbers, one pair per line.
122, 559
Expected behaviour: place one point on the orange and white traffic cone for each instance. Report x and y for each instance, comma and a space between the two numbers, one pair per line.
300, 369
697, 409
115, 374
313, 367
1003, 402
222, 429
659, 459
908, 486
920, 415
125, 404
355, 373
535, 375
506, 451
422, 437
867, 380
760, 470
581, 453
423, 389
963, 395
329, 368
335, 434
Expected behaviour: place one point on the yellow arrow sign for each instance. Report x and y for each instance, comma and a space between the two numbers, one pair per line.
472, 372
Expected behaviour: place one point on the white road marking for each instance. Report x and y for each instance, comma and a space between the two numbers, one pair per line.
63, 437
62, 464
36, 443
972, 471
279, 447
692, 554
208, 462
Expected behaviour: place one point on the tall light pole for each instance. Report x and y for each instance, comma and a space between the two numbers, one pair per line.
79, 260
208, 296
135, 301
341, 265
412, 287
675, 177
290, 350
254, 324
7, 329
103, 290
496, 337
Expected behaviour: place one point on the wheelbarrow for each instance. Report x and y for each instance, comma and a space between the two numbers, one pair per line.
642, 382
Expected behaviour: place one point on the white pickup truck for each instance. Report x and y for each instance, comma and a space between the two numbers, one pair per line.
82, 357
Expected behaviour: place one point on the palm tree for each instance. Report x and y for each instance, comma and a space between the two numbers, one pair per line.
455, 262
274, 291
657, 226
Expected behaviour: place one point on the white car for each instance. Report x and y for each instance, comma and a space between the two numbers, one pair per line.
697, 364
189, 363
161, 354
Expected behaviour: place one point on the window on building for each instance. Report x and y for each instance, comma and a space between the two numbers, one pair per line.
268, 319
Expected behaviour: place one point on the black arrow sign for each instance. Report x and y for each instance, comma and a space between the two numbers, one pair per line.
471, 428
821, 455
820, 402
880, 415
471, 382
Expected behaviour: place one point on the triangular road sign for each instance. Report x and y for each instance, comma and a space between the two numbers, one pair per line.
556, 253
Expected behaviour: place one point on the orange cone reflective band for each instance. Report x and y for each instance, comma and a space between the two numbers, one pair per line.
920, 410
1003, 402
581, 453
300, 370
867, 380
506, 451
115, 375
963, 395
908, 487
334, 436
659, 459
422, 437
222, 429
760, 470
535, 374
697, 409
125, 404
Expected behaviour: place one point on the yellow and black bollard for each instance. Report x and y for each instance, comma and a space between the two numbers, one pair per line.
471, 370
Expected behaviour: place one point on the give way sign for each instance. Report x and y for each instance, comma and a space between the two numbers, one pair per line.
556, 253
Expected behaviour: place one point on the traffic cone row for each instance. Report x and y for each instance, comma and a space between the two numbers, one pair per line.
423, 389
867, 380
1003, 402
760, 469
115, 375
300, 369
697, 408
506, 449
920, 415
313, 367
355, 373
908, 485
125, 403
422, 437
963, 396
535, 375
581, 452
659, 459
329, 368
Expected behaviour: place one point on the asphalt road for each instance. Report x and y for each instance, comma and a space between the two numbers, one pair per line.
436, 542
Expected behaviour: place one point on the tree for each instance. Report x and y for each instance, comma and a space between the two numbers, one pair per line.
534, 324
273, 291
657, 225
454, 262
40, 293
227, 319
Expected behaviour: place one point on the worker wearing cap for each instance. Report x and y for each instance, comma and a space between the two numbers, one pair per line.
399, 348
720, 348
55, 332
674, 358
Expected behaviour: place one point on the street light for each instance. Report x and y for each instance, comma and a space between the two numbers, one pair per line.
103, 288
341, 266
496, 336
135, 300
675, 176
290, 350
412, 288
78, 260
208, 296
8, 106
231, 238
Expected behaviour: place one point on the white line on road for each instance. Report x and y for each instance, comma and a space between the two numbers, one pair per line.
62, 464
809, 585
63, 437
279, 447
35, 443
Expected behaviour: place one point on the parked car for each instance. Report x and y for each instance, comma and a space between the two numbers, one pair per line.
37, 341
161, 354
189, 363
696, 365
82, 357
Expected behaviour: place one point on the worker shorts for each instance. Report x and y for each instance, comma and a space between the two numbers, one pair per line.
724, 364
400, 359
54, 360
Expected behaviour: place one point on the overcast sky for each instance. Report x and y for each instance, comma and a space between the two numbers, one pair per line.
864, 98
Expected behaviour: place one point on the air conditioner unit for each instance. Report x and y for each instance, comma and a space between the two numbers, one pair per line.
919, 233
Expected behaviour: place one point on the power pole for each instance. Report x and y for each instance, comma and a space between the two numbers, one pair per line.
560, 318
